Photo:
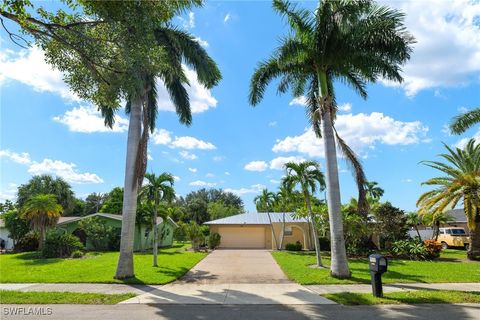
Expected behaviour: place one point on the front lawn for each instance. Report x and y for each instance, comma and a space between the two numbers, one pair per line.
40, 297
97, 267
405, 297
297, 267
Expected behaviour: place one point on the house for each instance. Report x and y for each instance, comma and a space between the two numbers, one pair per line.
143, 238
459, 219
257, 230
5, 235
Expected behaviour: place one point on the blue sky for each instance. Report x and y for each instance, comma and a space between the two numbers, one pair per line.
46, 129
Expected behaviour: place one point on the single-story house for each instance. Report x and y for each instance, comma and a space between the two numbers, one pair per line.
459, 219
261, 230
5, 235
143, 238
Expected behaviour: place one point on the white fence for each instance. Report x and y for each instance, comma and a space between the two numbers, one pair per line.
424, 234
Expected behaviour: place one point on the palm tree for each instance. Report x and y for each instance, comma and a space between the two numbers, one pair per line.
284, 202
159, 188
435, 220
373, 190
264, 203
413, 220
351, 41
463, 122
307, 175
461, 183
179, 47
43, 211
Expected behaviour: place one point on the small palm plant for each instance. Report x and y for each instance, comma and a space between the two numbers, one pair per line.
43, 211
461, 183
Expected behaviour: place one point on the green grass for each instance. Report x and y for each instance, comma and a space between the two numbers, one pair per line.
297, 267
405, 297
40, 297
97, 267
454, 254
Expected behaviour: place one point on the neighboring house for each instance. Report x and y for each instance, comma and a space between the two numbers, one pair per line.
143, 234
460, 219
4, 235
254, 230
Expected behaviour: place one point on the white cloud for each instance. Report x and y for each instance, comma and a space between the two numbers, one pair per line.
407, 180
256, 188
346, 107
21, 158
176, 178
226, 18
192, 170
161, 136
64, 170
188, 142
274, 181
272, 123
88, 120
227, 173
299, 101
447, 52
209, 175
279, 162
256, 166
28, 66
360, 131
8, 193
200, 183
187, 155
201, 99
463, 109
218, 158
190, 22
149, 156
202, 42
463, 142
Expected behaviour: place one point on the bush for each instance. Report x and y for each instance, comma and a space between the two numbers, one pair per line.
324, 243
433, 249
61, 245
214, 240
101, 236
194, 234
77, 254
297, 246
408, 249
28, 242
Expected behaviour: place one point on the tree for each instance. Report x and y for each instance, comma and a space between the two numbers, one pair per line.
463, 122
460, 183
218, 210
413, 220
94, 202
117, 54
264, 203
6, 206
435, 220
43, 211
15, 224
308, 176
354, 42
159, 188
113, 202
373, 190
46, 184
390, 223
78, 207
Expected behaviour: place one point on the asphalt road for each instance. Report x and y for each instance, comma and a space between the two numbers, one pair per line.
241, 312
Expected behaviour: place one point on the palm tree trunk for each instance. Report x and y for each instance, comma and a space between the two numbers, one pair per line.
125, 260
155, 234
41, 241
418, 232
283, 232
339, 263
273, 231
474, 247
314, 230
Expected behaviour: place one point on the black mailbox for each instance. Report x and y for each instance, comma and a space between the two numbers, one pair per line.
378, 265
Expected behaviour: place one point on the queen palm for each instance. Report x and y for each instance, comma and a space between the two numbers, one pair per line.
354, 42
264, 203
159, 188
463, 122
43, 211
461, 183
308, 176
373, 190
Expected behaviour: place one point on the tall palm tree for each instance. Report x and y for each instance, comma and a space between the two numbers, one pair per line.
307, 175
43, 211
284, 203
463, 122
373, 190
264, 203
354, 42
179, 46
461, 183
159, 188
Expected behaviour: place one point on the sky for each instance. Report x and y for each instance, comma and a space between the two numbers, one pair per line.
47, 129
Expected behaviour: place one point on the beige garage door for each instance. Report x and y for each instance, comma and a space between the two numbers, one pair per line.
242, 237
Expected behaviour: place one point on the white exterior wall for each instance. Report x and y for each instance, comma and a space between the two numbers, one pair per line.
4, 235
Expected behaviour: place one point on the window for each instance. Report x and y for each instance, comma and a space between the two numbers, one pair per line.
458, 232
288, 231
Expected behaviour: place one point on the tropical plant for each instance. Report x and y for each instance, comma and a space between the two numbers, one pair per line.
460, 183
214, 240
113, 202
354, 42
435, 220
101, 236
60, 245
413, 221
15, 224
309, 178
94, 202
373, 190
43, 211
194, 233
463, 122
159, 188
390, 224
264, 203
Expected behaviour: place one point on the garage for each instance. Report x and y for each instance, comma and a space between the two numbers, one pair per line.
251, 237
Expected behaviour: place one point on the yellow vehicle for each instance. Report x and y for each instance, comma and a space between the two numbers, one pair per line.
453, 237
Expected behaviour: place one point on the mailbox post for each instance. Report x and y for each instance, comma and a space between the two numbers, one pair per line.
378, 265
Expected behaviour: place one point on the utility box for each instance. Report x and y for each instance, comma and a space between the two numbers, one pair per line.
378, 265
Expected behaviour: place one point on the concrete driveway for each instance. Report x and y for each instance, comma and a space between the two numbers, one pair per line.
236, 266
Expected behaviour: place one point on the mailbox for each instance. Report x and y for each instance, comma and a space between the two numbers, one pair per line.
378, 265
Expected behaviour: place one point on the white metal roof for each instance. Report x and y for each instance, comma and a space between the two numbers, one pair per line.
257, 218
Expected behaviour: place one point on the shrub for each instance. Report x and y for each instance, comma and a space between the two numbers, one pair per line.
324, 243
214, 240
77, 254
60, 245
101, 236
29, 242
194, 234
297, 246
408, 249
433, 249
